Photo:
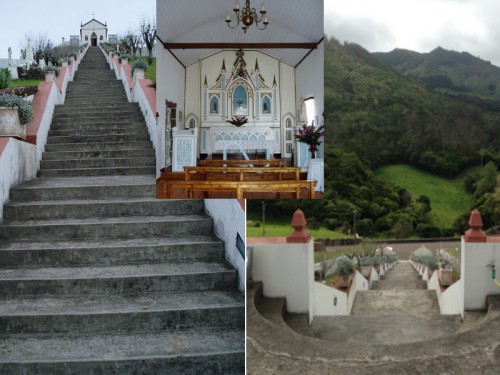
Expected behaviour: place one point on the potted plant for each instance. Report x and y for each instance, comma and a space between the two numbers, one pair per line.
366, 263
51, 72
310, 136
376, 260
238, 121
15, 113
138, 68
445, 272
124, 58
72, 56
344, 268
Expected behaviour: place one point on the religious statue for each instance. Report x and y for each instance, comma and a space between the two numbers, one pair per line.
10, 54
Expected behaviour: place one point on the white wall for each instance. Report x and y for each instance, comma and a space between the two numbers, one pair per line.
92, 27
229, 220
310, 82
476, 275
17, 164
286, 270
170, 85
325, 303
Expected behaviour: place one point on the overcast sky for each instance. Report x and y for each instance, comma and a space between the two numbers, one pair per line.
382, 25
58, 18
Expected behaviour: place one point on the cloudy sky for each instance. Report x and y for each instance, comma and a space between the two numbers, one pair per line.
58, 18
382, 25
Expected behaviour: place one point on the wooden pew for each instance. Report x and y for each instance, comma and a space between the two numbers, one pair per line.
242, 187
243, 162
241, 172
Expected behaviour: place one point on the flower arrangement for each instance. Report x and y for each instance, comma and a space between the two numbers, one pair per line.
310, 134
238, 120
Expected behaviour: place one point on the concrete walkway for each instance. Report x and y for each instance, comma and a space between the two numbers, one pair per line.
274, 349
399, 310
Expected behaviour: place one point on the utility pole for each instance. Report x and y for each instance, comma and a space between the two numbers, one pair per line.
263, 218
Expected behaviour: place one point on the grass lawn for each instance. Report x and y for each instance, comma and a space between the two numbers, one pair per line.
448, 197
280, 227
25, 82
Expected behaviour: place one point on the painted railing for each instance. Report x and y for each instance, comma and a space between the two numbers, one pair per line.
20, 159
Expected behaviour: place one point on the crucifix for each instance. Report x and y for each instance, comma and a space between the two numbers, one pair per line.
93, 15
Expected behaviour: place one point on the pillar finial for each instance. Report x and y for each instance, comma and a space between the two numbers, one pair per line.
475, 233
299, 235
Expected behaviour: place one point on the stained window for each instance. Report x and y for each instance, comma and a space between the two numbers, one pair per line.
240, 101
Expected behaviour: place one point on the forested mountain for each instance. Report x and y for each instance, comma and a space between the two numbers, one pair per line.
385, 117
450, 71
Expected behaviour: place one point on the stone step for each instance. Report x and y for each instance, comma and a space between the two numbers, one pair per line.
56, 128
23, 254
69, 188
95, 116
87, 208
112, 280
98, 139
417, 303
130, 313
201, 350
102, 131
104, 146
92, 172
100, 228
383, 329
98, 154
101, 109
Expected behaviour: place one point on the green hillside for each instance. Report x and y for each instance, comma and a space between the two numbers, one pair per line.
447, 196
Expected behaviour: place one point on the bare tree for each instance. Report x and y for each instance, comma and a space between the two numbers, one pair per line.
40, 44
148, 33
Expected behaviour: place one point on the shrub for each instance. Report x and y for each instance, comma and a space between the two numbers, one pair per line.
5, 78
253, 224
72, 54
24, 108
313, 223
344, 266
32, 73
427, 230
139, 64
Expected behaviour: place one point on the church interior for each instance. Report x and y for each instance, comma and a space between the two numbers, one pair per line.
237, 86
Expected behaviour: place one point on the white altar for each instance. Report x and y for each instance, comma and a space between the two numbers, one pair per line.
243, 139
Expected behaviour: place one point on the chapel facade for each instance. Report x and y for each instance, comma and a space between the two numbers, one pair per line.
93, 32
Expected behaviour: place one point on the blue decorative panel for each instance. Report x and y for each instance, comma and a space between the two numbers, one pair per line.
214, 105
240, 101
184, 155
266, 105
204, 139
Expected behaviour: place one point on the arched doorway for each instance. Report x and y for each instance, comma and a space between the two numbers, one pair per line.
93, 39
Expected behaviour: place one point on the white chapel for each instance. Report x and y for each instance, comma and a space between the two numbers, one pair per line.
93, 32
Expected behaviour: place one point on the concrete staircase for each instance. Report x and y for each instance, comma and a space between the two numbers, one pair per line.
97, 131
99, 277
399, 309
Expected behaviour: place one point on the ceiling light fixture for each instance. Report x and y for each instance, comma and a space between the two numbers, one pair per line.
247, 16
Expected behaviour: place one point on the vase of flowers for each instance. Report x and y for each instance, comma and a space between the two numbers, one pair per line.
310, 135
238, 121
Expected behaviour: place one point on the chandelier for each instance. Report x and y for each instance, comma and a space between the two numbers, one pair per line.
247, 16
